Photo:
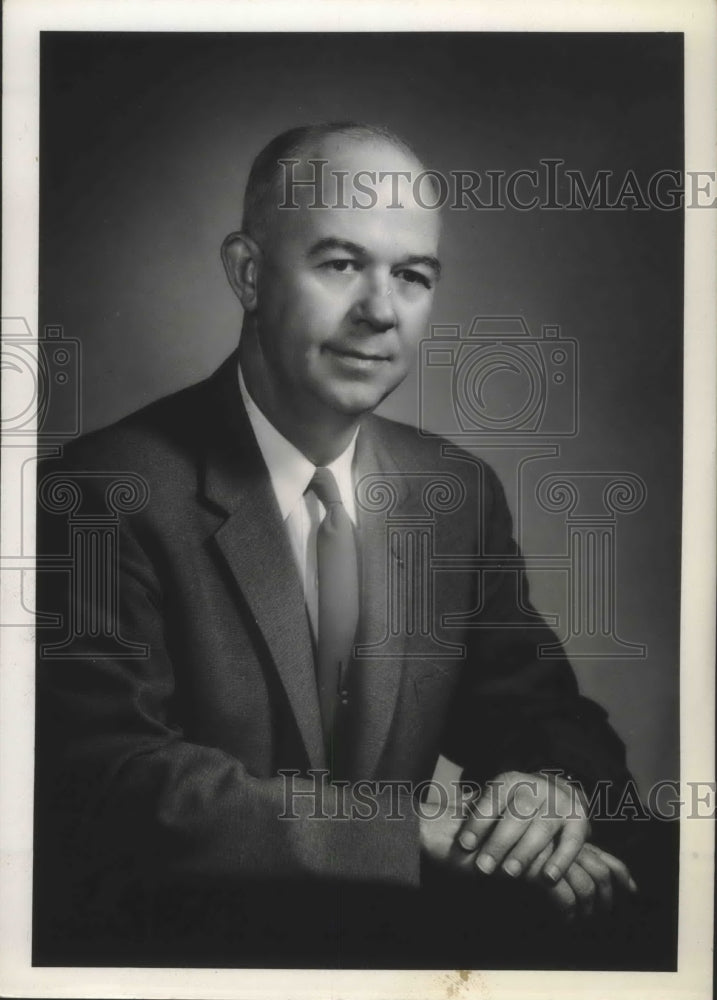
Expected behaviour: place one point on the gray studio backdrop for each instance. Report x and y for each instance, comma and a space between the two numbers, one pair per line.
146, 144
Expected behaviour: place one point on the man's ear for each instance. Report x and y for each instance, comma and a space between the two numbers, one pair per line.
241, 256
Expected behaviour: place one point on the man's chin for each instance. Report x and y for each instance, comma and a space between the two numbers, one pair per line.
353, 396
357, 404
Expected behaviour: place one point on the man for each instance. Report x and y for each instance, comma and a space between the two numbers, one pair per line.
176, 789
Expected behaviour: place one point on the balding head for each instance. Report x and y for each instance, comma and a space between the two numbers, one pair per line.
335, 164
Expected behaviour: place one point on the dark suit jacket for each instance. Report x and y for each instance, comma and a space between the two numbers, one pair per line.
157, 775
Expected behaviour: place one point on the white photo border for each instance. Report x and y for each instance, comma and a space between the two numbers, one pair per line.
697, 19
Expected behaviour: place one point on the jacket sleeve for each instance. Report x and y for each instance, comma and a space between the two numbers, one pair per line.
120, 788
515, 709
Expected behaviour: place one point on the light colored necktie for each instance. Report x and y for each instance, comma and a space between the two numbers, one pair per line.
338, 597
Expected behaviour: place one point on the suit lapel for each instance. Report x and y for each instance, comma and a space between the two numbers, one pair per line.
376, 675
255, 546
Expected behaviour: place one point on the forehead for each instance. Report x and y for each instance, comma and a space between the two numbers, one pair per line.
381, 231
368, 187
346, 152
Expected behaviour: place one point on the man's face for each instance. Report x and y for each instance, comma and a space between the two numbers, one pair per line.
344, 294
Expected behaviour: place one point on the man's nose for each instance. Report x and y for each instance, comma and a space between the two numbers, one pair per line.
375, 305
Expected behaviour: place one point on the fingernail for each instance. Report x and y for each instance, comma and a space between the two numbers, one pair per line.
468, 841
552, 873
486, 864
512, 867
633, 885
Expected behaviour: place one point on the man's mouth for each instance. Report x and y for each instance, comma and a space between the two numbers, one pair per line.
352, 356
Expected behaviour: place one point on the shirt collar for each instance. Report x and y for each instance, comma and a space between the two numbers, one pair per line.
291, 471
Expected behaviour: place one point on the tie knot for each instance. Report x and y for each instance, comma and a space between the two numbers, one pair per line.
325, 487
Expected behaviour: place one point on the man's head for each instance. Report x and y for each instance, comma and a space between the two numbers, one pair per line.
337, 289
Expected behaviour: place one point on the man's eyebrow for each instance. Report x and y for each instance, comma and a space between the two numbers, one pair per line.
334, 243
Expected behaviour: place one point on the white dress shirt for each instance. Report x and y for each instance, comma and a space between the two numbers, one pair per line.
290, 473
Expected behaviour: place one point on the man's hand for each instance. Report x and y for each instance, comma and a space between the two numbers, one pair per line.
517, 817
588, 886
440, 823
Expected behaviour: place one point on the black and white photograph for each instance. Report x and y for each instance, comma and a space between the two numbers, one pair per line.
358, 489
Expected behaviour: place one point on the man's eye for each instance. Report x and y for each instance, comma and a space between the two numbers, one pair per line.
344, 265
414, 278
